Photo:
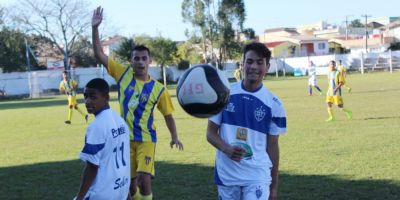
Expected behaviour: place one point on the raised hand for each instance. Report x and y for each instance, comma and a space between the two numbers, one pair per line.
97, 17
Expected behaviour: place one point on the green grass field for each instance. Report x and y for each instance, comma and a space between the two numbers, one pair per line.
346, 159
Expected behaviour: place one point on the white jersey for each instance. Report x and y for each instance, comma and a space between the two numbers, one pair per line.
312, 73
107, 146
246, 121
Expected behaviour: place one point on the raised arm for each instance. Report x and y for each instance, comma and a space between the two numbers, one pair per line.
97, 49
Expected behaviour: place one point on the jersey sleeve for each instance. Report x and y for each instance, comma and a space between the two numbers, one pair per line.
164, 104
94, 146
278, 121
115, 69
340, 77
216, 118
74, 83
61, 86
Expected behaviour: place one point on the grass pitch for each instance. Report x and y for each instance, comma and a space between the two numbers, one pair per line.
346, 159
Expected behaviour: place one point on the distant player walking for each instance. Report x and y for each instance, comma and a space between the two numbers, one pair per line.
312, 81
68, 86
334, 94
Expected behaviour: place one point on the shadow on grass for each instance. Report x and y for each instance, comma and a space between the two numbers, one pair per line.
60, 180
42, 102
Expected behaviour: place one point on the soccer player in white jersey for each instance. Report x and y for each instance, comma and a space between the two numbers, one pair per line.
312, 81
106, 152
246, 134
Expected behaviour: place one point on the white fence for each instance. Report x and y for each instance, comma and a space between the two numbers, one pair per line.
38, 83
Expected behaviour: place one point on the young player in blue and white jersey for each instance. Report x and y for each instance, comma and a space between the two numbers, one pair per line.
246, 134
106, 152
312, 81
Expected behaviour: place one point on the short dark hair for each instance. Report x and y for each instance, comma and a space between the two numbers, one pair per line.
65, 72
99, 84
141, 48
259, 48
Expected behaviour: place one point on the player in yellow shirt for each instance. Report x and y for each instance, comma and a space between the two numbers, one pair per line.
68, 86
342, 69
138, 95
238, 73
334, 94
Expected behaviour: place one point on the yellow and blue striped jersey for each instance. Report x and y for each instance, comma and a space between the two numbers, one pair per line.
68, 87
137, 100
334, 78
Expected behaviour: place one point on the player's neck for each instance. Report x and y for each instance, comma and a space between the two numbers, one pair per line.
143, 78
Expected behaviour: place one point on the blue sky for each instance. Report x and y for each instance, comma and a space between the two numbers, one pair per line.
163, 17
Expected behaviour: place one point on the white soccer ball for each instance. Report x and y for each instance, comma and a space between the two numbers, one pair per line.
203, 91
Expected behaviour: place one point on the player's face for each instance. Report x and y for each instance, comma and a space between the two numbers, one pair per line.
94, 100
332, 66
65, 76
254, 67
140, 61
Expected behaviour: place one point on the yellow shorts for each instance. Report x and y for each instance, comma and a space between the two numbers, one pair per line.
337, 100
142, 158
72, 101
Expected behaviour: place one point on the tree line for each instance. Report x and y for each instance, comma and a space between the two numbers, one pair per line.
61, 29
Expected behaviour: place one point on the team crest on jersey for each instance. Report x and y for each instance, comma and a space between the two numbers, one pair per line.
144, 98
134, 101
259, 113
131, 88
230, 107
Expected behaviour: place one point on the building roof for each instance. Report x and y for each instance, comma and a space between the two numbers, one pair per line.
273, 44
306, 38
374, 25
111, 40
289, 30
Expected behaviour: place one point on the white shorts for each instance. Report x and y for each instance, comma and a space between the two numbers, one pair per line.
251, 192
312, 81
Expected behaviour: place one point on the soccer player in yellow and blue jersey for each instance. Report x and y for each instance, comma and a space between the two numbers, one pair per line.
342, 69
68, 86
334, 94
138, 95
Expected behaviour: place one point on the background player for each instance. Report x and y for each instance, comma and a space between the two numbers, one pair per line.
246, 134
106, 150
68, 86
334, 94
312, 81
342, 69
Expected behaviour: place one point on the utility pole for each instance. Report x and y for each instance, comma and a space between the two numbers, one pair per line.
366, 32
347, 25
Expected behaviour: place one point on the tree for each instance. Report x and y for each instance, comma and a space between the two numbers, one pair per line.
63, 21
2, 15
356, 24
249, 33
222, 28
12, 54
124, 51
163, 52
394, 46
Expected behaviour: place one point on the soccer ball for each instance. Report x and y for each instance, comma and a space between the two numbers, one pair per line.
203, 91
